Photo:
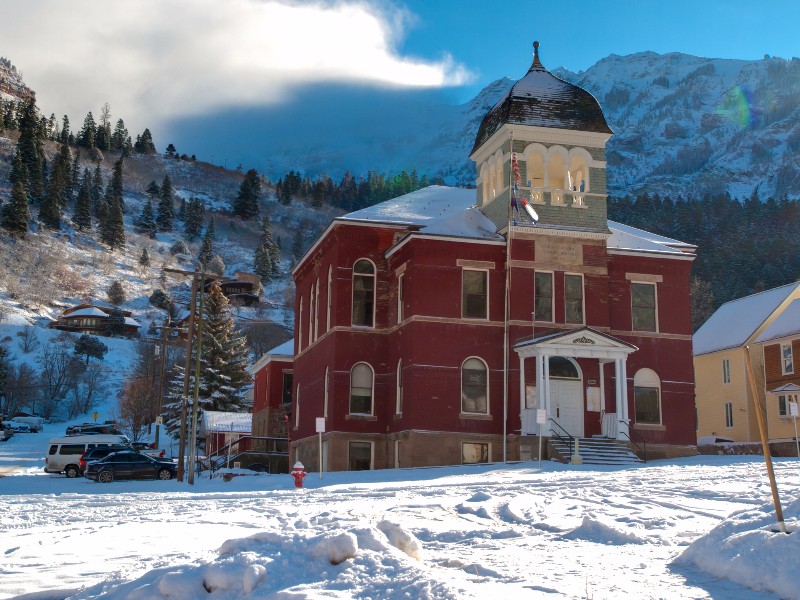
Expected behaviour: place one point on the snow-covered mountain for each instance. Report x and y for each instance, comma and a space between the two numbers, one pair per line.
683, 125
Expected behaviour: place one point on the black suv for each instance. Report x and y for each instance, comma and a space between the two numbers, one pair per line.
96, 454
128, 464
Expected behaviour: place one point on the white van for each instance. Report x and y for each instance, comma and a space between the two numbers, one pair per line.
64, 454
35, 423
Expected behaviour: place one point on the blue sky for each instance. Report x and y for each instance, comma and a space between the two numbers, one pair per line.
181, 66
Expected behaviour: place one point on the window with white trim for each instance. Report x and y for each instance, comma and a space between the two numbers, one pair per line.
787, 363
783, 404
726, 370
473, 453
474, 387
300, 327
330, 294
474, 294
311, 312
286, 389
543, 296
361, 389
644, 313
400, 298
316, 309
363, 293
729, 414
647, 397
399, 404
359, 456
297, 407
327, 388
573, 299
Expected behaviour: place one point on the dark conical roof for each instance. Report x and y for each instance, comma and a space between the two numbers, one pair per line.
542, 99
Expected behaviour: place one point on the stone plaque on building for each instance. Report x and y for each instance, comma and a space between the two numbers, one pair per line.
560, 252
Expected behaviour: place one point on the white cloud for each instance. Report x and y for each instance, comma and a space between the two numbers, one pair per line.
153, 60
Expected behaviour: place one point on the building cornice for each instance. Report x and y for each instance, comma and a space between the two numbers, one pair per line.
544, 135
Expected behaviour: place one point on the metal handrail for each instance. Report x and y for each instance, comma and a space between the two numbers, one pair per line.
570, 438
641, 437
219, 457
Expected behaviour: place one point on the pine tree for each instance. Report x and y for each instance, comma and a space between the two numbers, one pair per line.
116, 292
207, 248
153, 191
297, 246
224, 356
144, 143
83, 205
64, 139
112, 227
195, 216
166, 207
144, 258
182, 211
103, 136
86, 136
54, 201
96, 189
75, 177
264, 256
119, 136
146, 222
16, 213
30, 149
246, 203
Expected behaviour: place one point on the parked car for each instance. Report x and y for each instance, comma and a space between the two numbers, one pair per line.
35, 423
19, 427
90, 428
97, 453
64, 454
130, 465
6, 432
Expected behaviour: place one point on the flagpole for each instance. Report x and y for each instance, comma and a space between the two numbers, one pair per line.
507, 300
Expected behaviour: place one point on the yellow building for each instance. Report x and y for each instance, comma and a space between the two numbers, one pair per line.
731, 336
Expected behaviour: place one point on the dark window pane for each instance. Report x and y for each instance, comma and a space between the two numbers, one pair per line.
474, 453
72, 449
646, 401
286, 392
544, 296
473, 387
474, 298
360, 456
573, 298
643, 307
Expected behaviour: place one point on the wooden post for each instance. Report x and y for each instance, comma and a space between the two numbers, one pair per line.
187, 368
764, 441
195, 401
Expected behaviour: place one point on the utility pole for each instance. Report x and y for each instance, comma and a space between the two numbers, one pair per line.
193, 439
161, 380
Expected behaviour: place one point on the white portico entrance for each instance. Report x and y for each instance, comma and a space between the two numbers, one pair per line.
561, 391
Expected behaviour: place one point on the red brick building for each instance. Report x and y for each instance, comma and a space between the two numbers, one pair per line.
430, 328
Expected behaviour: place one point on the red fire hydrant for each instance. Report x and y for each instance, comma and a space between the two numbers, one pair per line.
299, 473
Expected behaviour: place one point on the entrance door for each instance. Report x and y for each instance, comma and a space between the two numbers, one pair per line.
566, 401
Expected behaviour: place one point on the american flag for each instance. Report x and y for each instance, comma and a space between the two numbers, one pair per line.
515, 169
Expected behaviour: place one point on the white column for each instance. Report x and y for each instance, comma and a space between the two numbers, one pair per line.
546, 382
622, 398
540, 398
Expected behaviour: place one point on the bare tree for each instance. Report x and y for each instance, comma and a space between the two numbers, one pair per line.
28, 340
263, 337
59, 371
20, 388
134, 404
86, 391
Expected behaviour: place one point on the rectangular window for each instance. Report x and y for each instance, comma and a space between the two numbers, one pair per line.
474, 299
474, 453
726, 370
286, 390
729, 414
400, 298
72, 449
648, 411
782, 406
787, 365
643, 307
543, 303
360, 456
573, 299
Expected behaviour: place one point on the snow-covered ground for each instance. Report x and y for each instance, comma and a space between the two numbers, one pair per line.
692, 528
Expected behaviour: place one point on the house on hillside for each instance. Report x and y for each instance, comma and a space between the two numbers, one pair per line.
244, 288
95, 319
752, 329
272, 391
431, 328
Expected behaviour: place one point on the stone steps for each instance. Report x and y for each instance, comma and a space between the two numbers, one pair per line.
595, 451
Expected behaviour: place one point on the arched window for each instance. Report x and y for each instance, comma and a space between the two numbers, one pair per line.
562, 368
300, 327
330, 294
363, 293
557, 171
361, 389
297, 407
327, 388
316, 309
399, 407
311, 312
485, 184
647, 397
474, 387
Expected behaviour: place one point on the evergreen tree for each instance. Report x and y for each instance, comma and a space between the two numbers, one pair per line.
31, 151
19, 172
83, 205
246, 204
75, 177
182, 211
264, 257
16, 213
144, 258
61, 177
86, 136
116, 292
207, 248
146, 222
96, 189
64, 138
120, 136
297, 246
103, 136
112, 227
153, 191
195, 217
166, 207
224, 356
54, 201
144, 143
171, 150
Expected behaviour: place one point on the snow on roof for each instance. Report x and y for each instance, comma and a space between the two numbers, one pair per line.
132, 322
785, 324
470, 223
417, 208
734, 322
624, 237
285, 349
87, 312
227, 421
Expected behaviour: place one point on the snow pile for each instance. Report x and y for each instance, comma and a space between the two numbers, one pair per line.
335, 548
401, 539
593, 530
748, 548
